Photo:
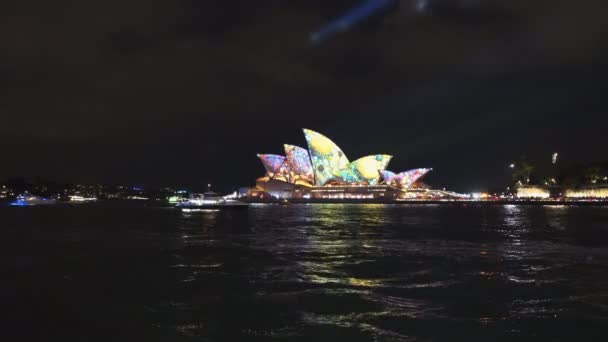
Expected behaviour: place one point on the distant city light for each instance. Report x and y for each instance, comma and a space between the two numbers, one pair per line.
512, 166
478, 195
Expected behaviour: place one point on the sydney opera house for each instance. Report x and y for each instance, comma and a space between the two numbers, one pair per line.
324, 172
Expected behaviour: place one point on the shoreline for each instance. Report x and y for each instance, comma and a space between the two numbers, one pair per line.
436, 202
604, 203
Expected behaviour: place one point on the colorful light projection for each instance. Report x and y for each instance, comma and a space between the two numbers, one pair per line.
274, 165
366, 169
388, 176
404, 180
324, 161
327, 158
298, 165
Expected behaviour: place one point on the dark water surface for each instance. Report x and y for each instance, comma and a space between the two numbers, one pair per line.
305, 273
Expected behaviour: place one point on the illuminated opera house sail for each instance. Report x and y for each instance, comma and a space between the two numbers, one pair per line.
324, 168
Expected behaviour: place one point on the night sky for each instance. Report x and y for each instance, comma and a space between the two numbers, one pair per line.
185, 92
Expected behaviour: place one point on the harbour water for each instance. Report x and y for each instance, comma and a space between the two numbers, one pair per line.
322, 272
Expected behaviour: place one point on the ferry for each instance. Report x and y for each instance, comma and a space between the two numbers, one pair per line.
210, 200
81, 199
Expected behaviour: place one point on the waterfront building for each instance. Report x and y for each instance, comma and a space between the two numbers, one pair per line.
532, 192
588, 192
323, 171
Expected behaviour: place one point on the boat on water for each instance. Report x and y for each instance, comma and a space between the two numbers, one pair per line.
82, 199
210, 200
26, 200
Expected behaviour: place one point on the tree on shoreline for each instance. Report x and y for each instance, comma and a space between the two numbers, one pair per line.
523, 170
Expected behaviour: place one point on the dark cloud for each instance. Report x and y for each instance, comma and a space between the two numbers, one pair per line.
124, 88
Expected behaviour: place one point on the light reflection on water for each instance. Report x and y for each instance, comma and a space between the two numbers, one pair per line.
362, 269
338, 272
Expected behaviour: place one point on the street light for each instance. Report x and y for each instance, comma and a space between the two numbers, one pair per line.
512, 166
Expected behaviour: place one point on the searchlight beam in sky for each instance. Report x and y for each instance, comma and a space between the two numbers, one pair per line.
369, 8
353, 17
